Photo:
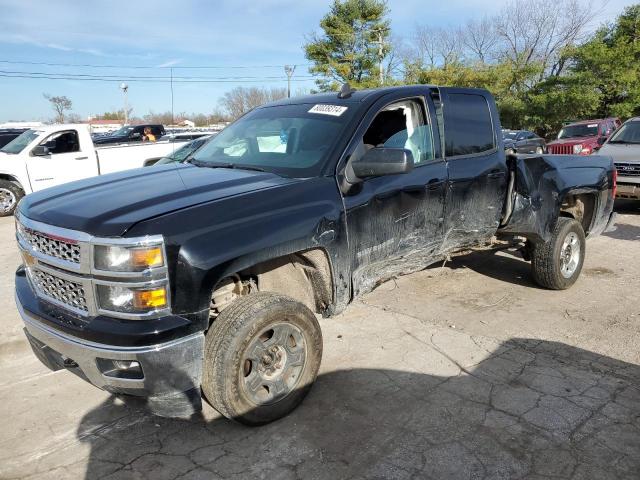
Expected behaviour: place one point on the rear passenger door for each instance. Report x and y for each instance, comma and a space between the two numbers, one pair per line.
477, 168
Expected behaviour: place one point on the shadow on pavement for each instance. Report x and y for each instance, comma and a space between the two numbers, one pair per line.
509, 267
532, 409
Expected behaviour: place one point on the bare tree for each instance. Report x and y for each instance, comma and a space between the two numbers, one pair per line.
59, 104
480, 38
241, 99
436, 47
539, 30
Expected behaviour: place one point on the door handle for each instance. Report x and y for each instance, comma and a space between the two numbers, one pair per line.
81, 158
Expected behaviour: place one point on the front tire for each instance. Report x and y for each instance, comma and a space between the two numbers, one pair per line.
261, 357
10, 195
557, 264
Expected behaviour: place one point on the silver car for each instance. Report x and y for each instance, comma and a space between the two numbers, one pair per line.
624, 147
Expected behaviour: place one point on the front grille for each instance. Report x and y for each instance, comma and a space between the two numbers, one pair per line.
63, 291
628, 169
560, 149
53, 247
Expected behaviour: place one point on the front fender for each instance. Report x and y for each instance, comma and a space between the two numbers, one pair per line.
19, 177
208, 242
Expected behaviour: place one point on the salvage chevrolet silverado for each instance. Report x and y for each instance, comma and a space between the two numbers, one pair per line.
206, 276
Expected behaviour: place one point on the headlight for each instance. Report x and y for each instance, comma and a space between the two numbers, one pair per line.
116, 298
116, 258
577, 149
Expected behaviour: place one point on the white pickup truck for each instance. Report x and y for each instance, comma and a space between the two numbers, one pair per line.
53, 154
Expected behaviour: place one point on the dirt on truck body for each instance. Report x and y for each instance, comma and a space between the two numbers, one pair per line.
207, 276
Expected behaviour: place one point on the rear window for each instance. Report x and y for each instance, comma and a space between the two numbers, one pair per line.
468, 128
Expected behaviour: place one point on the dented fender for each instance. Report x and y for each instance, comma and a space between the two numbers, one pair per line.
544, 182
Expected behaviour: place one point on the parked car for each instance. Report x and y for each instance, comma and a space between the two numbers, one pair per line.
583, 138
206, 276
180, 154
624, 148
8, 134
523, 141
129, 133
50, 155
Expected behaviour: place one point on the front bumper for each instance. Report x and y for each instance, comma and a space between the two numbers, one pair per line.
628, 190
171, 371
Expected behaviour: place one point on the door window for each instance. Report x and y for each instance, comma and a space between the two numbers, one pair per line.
62, 142
402, 125
468, 127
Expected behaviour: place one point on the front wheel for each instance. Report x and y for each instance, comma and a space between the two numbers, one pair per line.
262, 355
557, 264
10, 195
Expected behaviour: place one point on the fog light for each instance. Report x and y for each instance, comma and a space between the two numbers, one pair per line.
130, 369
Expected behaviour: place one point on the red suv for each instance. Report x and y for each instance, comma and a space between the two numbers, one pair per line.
583, 138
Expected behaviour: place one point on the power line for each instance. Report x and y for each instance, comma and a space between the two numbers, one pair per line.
166, 80
160, 67
152, 77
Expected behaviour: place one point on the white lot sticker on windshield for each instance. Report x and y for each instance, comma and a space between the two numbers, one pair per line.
592, 125
334, 110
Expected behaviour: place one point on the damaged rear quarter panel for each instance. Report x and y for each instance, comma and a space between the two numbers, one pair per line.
543, 182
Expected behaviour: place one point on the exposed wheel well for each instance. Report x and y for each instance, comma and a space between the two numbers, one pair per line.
580, 206
12, 179
304, 276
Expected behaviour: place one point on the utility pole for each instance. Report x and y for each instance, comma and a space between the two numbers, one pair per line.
289, 69
172, 120
125, 88
381, 55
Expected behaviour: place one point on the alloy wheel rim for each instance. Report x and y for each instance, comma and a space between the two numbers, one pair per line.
7, 200
570, 255
273, 363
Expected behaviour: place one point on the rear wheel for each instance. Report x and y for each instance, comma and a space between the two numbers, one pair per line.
557, 264
262, 355
10, 195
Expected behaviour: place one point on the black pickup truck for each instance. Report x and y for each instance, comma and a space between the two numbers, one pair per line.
206, 277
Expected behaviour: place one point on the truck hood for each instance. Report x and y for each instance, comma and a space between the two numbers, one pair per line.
110, 204
622, 152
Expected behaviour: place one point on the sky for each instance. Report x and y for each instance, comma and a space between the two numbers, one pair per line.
241, 42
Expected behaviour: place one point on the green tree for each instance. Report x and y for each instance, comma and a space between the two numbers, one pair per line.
352, 46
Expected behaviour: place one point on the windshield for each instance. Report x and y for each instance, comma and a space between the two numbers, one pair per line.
291, 140
509, 135
19, 143
122, 132
579, 130
183, 152
628, 133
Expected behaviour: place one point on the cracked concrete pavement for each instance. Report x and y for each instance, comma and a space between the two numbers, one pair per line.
461, 371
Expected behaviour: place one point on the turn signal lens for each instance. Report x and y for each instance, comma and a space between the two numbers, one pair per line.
147, 257
150, 299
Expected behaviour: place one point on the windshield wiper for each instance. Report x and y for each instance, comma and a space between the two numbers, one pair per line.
225, 165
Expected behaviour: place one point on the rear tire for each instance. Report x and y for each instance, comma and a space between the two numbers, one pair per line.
556, 264
10, 195
261, 357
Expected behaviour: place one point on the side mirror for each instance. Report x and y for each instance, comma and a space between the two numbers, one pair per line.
601, 140
383, 161
40, 151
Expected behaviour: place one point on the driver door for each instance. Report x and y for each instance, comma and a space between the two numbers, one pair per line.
64, 162
395, 222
